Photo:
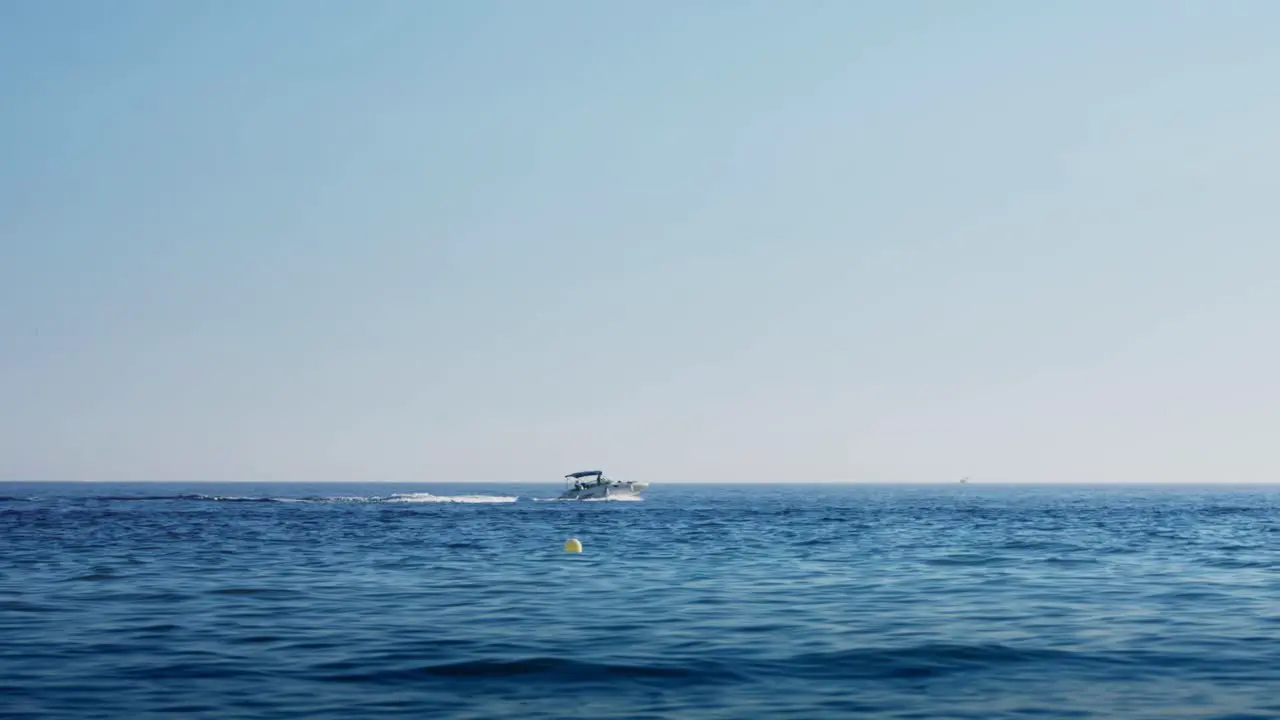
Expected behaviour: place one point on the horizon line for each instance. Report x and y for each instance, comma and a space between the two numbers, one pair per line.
1114, 483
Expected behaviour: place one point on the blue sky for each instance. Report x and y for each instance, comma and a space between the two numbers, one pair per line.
718, 241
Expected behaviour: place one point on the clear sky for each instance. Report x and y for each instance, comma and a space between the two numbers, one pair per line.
737, 240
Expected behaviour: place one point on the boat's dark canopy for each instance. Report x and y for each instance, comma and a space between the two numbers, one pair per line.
584, 473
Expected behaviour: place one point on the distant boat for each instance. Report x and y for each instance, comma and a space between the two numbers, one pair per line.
593, 485
964, 480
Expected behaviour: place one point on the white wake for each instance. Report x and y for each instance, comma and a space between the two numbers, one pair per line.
611, 498
429, 498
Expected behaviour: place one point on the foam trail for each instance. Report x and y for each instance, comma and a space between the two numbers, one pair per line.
335, 499
614, 498
397, 498
428, 497
219, 498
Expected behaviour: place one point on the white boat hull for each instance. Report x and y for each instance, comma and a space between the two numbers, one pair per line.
618, 490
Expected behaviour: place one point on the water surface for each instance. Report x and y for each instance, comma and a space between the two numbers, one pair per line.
376, 600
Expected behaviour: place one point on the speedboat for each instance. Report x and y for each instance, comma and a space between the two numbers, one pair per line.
593, 485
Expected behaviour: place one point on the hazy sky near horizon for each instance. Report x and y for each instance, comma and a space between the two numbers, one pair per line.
734, 240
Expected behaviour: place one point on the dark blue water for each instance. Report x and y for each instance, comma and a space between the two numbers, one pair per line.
961, 601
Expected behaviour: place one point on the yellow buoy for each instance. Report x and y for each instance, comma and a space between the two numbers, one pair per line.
572, 545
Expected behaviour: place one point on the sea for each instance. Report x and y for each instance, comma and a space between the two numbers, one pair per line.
272, 601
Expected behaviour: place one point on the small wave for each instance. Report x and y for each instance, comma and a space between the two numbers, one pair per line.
547, 669
145, 498
963, 559
96, 576
1240, 563
194, 497
27, 607
923, 660
263, 592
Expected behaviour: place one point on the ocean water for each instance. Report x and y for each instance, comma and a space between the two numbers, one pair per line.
421, 601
